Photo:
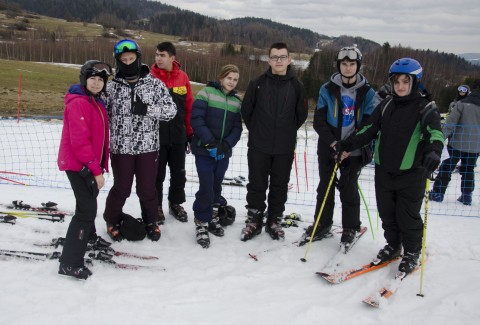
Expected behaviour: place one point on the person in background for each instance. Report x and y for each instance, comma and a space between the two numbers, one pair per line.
345, 102
83, 155
408, 148
462, 129
217, 127
137, 102
462, 92
175, 135
274, 107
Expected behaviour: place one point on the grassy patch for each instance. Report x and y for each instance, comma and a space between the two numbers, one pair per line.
42, 90
43, 87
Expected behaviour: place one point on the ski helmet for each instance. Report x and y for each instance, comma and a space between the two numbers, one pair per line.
406, 66
350, 53
126, 45
464, 89
226, 215
94, 68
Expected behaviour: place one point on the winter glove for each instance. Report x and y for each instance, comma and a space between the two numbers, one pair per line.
213, 149
188, 144
139, 107
223, 148
431, 160
341, 147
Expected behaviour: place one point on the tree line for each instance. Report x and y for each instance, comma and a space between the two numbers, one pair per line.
442, 71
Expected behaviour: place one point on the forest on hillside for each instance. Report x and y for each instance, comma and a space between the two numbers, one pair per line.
241, 45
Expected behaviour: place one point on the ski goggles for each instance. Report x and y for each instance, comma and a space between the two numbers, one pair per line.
349, 53
462, 89
102, 68
125, 46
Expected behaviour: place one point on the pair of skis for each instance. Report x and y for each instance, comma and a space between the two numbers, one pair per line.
381, 295
98, 256
98, 246
48, 211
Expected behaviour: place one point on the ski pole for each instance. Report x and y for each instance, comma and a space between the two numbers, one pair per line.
304, 259
424, 240
366, 207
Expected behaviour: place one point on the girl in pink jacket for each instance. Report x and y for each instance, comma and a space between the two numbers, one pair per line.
83, 155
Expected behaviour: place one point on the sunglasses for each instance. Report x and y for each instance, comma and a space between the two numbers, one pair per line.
462, 89
125, 46
102, 67
351, 54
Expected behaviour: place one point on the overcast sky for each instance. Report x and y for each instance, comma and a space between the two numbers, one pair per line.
445, 25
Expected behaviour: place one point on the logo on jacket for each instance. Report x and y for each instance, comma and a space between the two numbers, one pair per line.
348, 109
180, 90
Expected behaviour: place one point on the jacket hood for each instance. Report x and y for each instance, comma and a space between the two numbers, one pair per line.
336, 78
217, 85
287, 76
473, 98
77, 91
161, 73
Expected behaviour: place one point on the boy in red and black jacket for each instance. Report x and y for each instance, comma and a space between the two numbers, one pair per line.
175, 135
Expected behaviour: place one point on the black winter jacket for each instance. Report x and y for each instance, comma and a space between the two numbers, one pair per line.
274, 108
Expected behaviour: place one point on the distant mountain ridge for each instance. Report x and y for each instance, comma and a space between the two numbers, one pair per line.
161, 18
473, 58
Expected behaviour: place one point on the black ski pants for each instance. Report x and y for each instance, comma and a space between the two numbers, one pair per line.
125, 167
263, 169
399, 200
82, 225
347, 186
466, 169
174, 156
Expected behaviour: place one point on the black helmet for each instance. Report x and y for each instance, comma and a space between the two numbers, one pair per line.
226, 214
350, 53
94, 68
126, 45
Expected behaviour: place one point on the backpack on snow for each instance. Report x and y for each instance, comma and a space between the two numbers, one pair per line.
131, 228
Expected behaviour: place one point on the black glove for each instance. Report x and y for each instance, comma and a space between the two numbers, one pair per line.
188, 144
139, 107
431, 160
342, 146
223, 148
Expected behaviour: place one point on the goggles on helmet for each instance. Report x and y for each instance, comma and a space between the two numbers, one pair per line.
462, 89
125, 46
349, 53
102, 67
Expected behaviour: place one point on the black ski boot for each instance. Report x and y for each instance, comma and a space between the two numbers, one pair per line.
178, 212
388, 253
214, 226
348, 235
409, 262
274, 228
321, 233
254, 224
153, 231
81, 272
113, 232
201, 232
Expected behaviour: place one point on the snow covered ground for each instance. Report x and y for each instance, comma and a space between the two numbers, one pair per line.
223, 285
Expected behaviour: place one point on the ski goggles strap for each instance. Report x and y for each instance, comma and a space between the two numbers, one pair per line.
125, 46
102, 67
350, 53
